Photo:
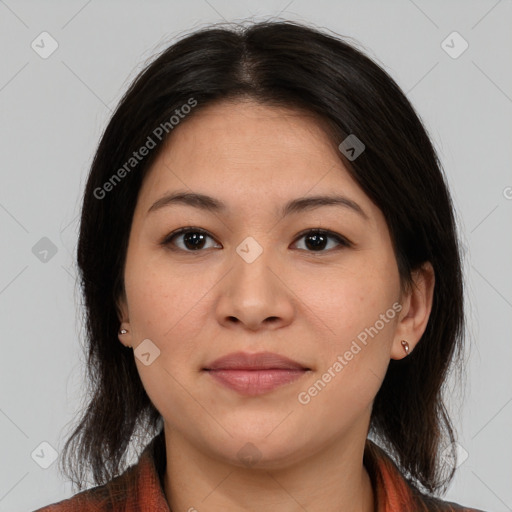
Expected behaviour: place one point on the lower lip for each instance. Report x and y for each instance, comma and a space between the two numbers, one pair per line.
255, 382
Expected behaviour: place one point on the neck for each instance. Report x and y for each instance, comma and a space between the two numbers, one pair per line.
331, 480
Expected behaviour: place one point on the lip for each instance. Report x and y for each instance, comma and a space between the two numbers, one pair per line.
258, 361
255, 374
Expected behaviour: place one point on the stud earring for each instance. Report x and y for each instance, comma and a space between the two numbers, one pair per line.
405, 345
124, 331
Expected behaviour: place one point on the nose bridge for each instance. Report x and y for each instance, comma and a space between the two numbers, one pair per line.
252, 293
251, 264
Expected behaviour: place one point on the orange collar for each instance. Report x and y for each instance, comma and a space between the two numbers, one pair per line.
141, 487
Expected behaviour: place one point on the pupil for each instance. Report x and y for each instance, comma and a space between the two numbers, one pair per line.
319, 243
195, 239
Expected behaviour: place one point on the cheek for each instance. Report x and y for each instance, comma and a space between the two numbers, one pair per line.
360, 310
348, 300
351, 371
166, 308
163, 299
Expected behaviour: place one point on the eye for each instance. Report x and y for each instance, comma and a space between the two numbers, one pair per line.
317, 239
193, 239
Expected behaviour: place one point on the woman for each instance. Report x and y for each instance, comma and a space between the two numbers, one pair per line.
267, 227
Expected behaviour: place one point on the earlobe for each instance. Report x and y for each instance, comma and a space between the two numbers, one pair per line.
124, 333
417, 305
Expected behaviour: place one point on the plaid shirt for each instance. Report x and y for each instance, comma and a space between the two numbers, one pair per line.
140, 487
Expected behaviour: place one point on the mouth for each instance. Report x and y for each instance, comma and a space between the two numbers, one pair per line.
255, 374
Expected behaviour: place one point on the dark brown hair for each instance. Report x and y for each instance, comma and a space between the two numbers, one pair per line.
282, 64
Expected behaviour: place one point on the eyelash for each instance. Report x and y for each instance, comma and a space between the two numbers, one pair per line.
343, 242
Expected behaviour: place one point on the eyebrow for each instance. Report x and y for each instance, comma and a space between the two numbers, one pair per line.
208, 203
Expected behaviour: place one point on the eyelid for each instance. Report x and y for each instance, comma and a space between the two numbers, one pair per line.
180, 231
342, 240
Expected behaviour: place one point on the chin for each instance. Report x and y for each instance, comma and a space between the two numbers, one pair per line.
264, 451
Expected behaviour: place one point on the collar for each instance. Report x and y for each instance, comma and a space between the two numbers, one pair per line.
392, 492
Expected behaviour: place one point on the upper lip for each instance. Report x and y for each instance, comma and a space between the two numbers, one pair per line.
259, 361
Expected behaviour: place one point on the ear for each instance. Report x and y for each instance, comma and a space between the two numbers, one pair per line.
124, 320
416, 308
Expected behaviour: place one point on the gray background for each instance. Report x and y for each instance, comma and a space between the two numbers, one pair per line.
54, 110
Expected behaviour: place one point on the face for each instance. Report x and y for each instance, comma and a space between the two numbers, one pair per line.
254, 276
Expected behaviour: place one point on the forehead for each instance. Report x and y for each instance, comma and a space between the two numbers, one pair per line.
243, 149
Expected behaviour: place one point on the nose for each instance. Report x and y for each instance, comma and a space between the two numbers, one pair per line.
255, 295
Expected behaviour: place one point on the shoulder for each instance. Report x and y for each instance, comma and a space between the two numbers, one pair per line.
113, 495
438, 505
95, 499
428, 503
140, 483
116, 494
395, 492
